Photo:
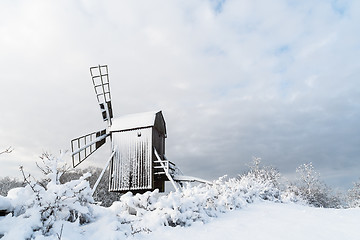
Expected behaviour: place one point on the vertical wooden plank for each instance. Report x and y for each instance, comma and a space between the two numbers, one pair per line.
132, 165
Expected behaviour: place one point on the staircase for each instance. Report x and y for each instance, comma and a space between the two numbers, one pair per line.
165, 168
168, 170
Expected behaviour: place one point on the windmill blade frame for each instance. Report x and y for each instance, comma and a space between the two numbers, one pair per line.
82, 147
100, 79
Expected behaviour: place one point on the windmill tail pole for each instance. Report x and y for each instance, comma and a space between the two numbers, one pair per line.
103, 171
182, 178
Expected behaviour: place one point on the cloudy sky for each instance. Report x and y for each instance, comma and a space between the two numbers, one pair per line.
273, 79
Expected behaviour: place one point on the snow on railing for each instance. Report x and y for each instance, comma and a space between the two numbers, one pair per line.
166, 170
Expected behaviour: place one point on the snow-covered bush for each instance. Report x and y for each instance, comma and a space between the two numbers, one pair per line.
102, 194
310, 188
354, 195
40, 206
261, 181
145, 212
7, 183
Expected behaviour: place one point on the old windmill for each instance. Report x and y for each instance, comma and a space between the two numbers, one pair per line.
137, 162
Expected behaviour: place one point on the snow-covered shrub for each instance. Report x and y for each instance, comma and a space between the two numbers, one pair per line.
144, 212
290, 193
7, 183
354, 195
310, 188
261, 181
204, 201
101, 195
52, 168
150, 210
39, 207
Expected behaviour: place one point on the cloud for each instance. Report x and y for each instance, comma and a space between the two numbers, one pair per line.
235, 79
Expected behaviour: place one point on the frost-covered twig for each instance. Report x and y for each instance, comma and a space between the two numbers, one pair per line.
52, 167
26, 179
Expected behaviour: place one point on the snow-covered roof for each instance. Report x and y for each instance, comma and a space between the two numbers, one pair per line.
137, 120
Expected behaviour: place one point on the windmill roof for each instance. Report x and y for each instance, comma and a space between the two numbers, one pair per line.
137, 120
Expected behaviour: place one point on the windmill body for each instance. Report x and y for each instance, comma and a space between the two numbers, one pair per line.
134, 165
137, 162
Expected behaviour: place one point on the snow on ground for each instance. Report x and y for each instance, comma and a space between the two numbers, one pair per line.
268, 220
252, 206
257, 221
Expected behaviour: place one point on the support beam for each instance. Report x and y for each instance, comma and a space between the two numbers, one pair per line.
182, 178
102, 172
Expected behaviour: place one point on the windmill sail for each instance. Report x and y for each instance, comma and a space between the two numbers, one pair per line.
82, 147
100, 78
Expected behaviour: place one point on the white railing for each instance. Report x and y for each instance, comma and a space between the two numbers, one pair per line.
165, 165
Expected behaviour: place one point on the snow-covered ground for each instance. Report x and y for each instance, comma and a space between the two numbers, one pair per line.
268, 220
260, 220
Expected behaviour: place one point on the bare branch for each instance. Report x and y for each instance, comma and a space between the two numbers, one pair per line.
8, 150
59, 236
26, 179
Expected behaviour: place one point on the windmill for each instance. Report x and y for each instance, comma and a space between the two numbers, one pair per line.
137, 162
